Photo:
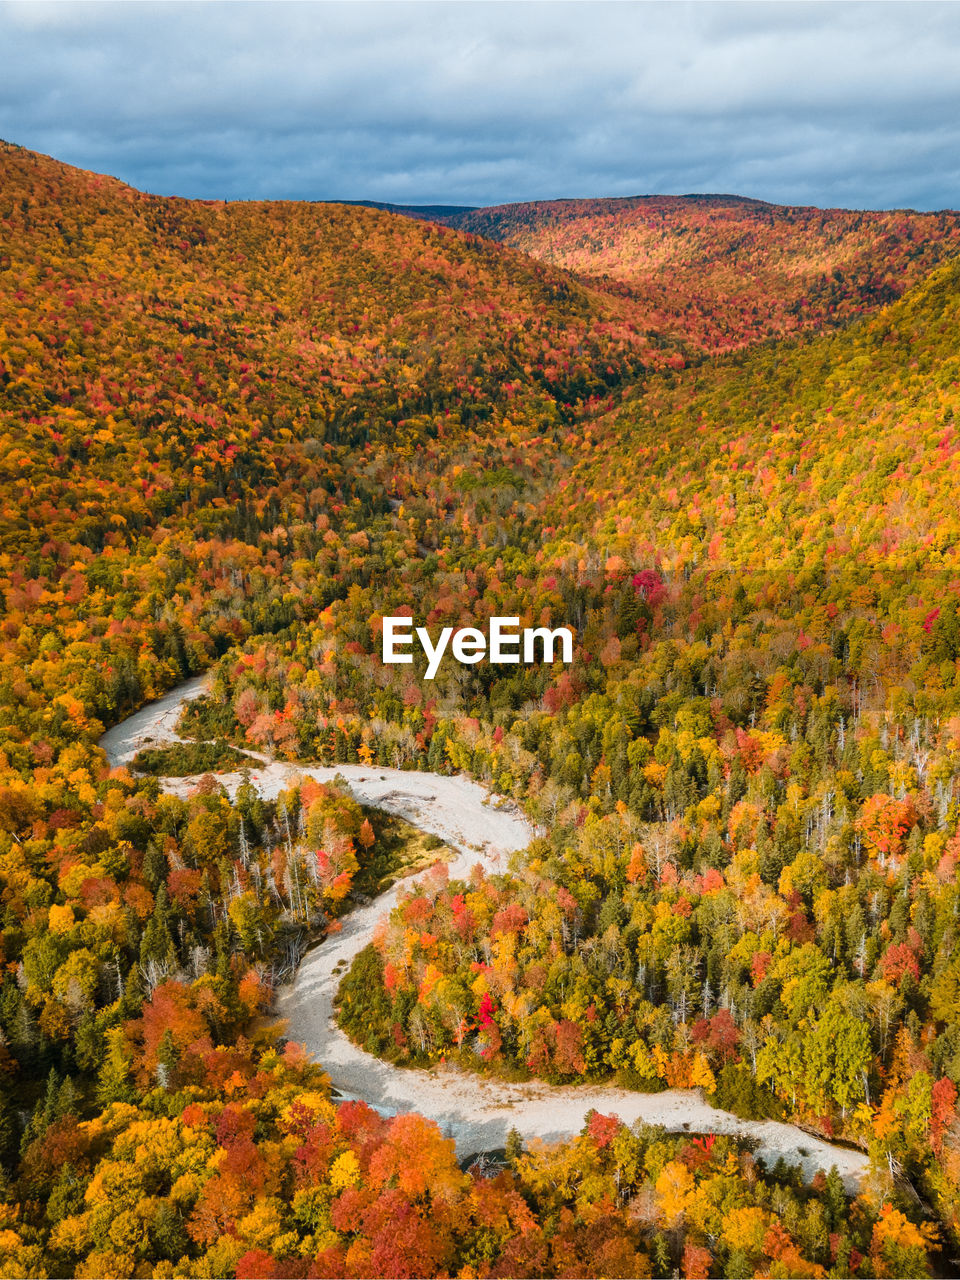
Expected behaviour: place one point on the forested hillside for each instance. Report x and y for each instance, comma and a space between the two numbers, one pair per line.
181, 380
237, 435
721, 272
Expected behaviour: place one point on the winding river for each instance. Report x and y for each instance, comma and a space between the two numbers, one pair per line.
477, 1112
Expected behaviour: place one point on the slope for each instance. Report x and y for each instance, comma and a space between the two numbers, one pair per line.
179, 379
836, 453
143, 334
722, 272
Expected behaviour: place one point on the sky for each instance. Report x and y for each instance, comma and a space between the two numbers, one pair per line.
832, 104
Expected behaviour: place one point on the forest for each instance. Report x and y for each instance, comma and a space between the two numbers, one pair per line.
713, 438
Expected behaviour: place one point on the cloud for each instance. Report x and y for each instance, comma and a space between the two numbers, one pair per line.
477, 103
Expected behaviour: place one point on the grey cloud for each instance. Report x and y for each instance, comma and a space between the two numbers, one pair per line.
853, 103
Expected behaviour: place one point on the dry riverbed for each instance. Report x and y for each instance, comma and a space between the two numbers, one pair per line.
476, 1111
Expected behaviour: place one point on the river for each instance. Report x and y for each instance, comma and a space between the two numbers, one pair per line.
476, 1111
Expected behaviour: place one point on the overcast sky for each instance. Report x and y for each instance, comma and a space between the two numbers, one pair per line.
479, 103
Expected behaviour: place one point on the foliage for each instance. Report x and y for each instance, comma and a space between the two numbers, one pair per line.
238, 436
188, 759
723, 272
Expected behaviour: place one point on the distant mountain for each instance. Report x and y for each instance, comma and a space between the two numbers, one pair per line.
446, 213
719, 271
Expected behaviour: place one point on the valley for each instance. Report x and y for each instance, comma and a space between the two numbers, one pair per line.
477, 1113
695, 973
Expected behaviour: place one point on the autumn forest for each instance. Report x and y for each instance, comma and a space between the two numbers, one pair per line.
716, 439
